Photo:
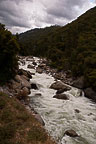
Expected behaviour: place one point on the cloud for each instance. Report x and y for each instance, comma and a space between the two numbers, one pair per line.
21, 15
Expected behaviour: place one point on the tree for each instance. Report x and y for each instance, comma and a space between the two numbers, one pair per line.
8, 51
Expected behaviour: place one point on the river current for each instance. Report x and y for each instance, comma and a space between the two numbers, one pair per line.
61, 115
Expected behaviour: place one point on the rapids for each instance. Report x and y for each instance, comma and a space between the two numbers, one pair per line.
60, 115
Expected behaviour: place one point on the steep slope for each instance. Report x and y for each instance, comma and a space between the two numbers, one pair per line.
18, 125
70, 47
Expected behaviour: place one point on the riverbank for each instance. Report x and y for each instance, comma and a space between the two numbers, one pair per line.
18, 125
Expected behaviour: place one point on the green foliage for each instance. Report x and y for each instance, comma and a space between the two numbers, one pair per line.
8, 51
70, 47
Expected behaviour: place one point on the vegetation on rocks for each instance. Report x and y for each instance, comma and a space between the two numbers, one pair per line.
70, 47
18, 125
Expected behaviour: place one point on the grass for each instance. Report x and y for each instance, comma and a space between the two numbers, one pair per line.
18, 125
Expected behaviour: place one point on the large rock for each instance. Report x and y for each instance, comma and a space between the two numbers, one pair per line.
79, 83
34, 86
91, 94
39, 70
15, 85
24, 72
58, 85
23, 93
61, 96
30, 66
20, 80
25, 83
34, 63
71, 133
60, 91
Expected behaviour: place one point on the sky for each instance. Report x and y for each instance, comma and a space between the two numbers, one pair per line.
23, 15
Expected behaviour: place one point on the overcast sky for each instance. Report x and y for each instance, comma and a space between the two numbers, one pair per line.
22, 15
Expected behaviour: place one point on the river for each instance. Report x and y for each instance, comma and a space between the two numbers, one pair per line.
61, 115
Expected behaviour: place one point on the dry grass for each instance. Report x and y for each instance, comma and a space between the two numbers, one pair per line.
18, 125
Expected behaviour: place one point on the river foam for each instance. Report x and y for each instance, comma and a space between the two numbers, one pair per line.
61, 115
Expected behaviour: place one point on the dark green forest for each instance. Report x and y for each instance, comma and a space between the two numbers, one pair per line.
69, 47
9, 48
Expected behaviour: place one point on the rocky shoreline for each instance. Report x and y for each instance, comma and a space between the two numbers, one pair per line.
20, 87
64, 76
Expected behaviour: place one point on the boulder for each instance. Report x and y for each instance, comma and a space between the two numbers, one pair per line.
42, 65
18, 78
77, 111
39, 70
58, 85
71, 133
24, 72
61, 96
29, 74
23, 93
90, 93
25, 83
39, 118
30, 66
79, 83
60, 91
34, 86
23, 76
15, 85
34, 63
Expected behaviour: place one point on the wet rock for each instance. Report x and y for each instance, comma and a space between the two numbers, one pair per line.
71, 133
90, 114
61, 96
77, 111
30, 66
29, 58
39, 118
60, 91
24, 72
38, 94
79, 83
90, 93
22, 61
58, 85
34, 63
34, 86
39, 70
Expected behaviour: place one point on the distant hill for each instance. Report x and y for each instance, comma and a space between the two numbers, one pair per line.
70, 47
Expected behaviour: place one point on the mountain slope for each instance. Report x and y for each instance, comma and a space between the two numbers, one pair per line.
70, 47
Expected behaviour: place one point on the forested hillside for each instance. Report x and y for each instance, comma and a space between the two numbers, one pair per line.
70, 47
9, 48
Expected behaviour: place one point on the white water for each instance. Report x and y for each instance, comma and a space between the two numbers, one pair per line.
60, 115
